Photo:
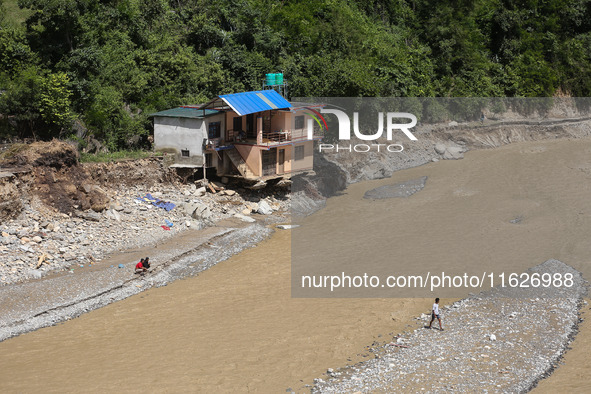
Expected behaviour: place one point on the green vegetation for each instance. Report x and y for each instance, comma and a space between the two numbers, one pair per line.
116, 156
96, 70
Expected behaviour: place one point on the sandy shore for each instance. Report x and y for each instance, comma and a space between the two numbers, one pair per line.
235, 327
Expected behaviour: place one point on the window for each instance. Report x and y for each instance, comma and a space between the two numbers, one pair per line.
184, 152
237, 123
299, 122
214, 130
299, 152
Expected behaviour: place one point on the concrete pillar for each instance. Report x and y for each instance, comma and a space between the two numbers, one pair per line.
259, 130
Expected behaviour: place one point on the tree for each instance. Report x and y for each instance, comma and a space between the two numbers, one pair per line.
54, 102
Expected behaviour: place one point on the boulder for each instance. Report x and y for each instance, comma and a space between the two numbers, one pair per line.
112, 214
200, 191
201, 212
440, 148
264, 208
453, 153
98, 199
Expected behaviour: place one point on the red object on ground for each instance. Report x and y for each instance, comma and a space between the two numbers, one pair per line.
165, 227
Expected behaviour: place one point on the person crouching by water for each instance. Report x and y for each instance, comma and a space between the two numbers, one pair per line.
141, 266
147, 263
435, 314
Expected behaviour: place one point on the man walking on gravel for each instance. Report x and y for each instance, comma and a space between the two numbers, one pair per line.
435, 314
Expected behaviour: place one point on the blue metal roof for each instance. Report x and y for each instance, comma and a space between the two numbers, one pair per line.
250, 102
186, 112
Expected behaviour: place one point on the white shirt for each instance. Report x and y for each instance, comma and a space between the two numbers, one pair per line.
436, 308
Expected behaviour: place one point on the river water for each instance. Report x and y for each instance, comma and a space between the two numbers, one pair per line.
235, 327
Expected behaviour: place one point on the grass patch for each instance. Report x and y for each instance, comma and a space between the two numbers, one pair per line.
121, 155
12, 151
15, 16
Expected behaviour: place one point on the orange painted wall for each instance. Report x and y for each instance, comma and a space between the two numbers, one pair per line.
252, 157
308, 160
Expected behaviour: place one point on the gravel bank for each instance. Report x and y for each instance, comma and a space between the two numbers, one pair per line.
69, 242
29, 306
501, 340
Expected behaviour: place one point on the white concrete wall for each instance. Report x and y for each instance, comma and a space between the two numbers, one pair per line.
176, 134
172, 135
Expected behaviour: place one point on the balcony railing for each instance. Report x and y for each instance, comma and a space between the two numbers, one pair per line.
270, 137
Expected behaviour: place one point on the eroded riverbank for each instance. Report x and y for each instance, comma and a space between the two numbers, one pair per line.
236, 328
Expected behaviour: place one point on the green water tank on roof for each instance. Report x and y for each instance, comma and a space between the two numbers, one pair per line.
279, 79
270, 79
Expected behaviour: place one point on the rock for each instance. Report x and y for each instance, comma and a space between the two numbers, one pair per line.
453, 123
98, 199
189, 208
200, 191
37, 239
90, 215
116, 215
254, 207
264, 208
244, 218
246, 211
440, 148
115, 206
201, 212
230, 192
453, 153
87, 188
34, 274
493, 337
287, 226
25, 240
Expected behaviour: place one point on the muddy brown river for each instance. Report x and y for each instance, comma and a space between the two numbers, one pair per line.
235, 327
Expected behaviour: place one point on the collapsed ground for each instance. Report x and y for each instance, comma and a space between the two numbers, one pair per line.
57, 214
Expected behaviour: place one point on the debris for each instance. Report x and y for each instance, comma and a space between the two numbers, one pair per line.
41, 260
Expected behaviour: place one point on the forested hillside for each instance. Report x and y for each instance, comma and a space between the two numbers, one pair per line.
103, 66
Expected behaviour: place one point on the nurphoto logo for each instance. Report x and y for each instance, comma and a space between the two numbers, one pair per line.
344, 123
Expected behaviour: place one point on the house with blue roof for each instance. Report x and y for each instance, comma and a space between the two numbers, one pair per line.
256, 135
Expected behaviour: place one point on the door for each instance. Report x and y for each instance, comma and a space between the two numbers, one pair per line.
251, 130
281, 161
269, 161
